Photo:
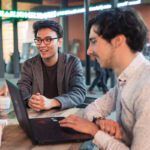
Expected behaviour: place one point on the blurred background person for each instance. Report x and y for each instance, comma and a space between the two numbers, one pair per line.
100, 79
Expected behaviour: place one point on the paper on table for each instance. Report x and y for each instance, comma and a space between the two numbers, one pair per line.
67, 112
3, 123
70, 112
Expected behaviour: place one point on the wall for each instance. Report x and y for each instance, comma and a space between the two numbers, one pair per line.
76, 31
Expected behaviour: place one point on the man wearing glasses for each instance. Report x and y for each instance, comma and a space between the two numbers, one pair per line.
51, 79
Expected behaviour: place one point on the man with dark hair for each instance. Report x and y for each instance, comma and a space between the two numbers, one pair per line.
51, 79
117, 37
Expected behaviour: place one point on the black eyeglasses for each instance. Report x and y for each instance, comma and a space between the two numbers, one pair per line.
46, 40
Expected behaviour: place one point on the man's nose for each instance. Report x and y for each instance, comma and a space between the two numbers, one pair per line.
42, 43
89, 51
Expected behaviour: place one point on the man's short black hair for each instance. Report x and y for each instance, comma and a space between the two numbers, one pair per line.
126, 21
53, 25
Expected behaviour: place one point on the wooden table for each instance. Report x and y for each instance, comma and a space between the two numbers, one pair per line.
14, 137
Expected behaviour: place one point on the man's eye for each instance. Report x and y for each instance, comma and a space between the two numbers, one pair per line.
93, 41
48, 40
38, 40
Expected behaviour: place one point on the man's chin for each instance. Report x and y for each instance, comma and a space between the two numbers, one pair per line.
99, 61
103, 65
44, 56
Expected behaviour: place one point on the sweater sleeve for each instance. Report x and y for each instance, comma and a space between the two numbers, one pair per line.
107, 142
25, 82
76, 92
102, 107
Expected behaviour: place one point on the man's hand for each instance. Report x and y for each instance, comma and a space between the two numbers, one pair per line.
4, 90
39, 102
79, 124
111, 127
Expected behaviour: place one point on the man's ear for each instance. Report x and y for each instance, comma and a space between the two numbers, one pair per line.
60, 42
118, 41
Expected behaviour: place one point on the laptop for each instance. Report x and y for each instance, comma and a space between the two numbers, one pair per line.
42, 130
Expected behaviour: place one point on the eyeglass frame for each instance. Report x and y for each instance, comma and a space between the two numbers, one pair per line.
43, 40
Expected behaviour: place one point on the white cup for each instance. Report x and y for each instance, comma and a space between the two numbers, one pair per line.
4, 102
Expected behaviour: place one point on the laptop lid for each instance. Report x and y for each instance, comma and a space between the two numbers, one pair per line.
20, 109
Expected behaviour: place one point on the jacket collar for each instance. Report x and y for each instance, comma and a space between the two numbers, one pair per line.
60, 72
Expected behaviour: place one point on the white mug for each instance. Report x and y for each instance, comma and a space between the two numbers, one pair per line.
4, 102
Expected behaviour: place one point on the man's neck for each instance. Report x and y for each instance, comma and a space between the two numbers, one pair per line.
124, 61
50, 61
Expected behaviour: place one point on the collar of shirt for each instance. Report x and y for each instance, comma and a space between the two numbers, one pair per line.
131, 69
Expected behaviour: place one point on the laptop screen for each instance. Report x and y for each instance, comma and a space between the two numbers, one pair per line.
19, 107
